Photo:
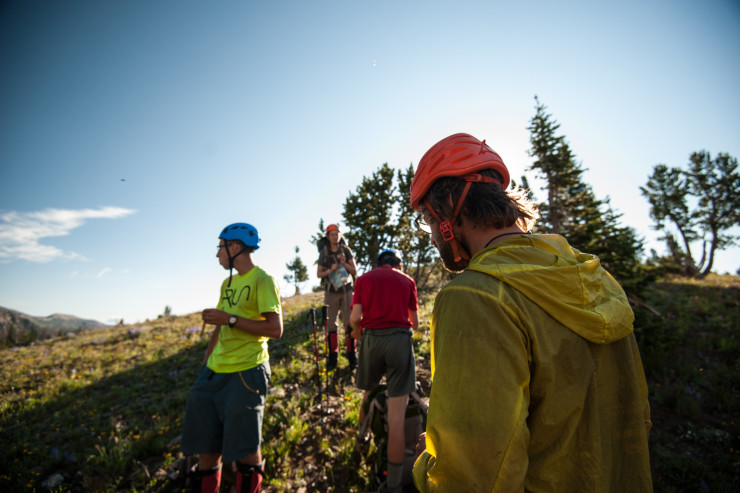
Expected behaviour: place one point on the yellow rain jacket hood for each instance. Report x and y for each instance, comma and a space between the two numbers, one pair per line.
568, 285
537, 380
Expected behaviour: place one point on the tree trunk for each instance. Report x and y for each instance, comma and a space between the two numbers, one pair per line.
712, 248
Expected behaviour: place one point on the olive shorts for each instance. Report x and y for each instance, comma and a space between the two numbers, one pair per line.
387, 352
224, 413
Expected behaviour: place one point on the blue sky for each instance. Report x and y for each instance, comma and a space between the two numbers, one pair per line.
131, 132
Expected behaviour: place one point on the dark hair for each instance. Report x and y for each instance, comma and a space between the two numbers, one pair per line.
485, 205
389, 259
245, 248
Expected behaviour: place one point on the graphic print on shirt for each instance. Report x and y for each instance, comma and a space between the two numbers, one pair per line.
232, 298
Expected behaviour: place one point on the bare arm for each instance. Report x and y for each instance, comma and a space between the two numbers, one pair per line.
322, 271
212, 343
354, 320
349, 265
271, 326
414, 319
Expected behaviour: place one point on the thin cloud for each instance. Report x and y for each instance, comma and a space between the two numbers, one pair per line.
104, 272
21, 232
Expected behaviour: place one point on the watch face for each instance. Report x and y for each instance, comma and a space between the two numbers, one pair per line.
232, 320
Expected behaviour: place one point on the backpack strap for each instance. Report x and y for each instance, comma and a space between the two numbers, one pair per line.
370, 414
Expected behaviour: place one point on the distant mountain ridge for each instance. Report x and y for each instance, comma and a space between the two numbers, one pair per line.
17, 328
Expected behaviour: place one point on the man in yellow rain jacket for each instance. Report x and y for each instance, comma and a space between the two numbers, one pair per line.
537, 380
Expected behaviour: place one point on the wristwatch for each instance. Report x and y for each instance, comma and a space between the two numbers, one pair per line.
232, 320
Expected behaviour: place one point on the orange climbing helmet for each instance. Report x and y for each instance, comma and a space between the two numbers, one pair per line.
460, 155
331, 227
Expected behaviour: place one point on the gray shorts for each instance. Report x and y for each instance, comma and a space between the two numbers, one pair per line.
224, 413
387, 352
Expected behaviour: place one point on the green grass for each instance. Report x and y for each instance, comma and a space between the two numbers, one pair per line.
691, 354
104, 408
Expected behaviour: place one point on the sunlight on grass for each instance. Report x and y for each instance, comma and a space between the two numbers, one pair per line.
103, 409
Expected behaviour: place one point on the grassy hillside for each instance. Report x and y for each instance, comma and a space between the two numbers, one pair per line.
102, 410
691, 354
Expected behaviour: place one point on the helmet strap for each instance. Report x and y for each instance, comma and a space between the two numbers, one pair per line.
231, 262
445, 227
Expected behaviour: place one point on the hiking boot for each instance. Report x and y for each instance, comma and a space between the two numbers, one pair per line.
331, 361
352, 358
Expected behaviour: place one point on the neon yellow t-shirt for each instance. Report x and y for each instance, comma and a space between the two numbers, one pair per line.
249, 296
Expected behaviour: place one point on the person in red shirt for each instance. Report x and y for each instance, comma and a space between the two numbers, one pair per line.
384, 312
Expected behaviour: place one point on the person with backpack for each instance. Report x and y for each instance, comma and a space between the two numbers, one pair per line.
223, 418
537, 379
384, 313
336, 268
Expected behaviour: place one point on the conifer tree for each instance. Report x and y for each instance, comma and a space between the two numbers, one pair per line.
713, 185
571, 209
666, 192
298, 272
368, 214
378, 215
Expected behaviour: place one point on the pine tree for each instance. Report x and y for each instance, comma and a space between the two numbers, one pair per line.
714, 184
666, 191
298, 272
379, 216
368, 213
571, 209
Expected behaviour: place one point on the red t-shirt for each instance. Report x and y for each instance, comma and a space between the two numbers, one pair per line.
386, 296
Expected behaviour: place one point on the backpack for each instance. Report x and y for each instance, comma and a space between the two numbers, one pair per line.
323, 244
323, 247
376, 421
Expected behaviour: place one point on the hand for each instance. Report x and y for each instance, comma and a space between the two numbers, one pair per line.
421, 445
341, 258
215, 317
356, 334
334, 266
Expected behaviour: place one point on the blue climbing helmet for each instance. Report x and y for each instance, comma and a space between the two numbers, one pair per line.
246, 233
392, 252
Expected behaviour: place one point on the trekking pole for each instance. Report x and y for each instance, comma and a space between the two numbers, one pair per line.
316, 352
325, 318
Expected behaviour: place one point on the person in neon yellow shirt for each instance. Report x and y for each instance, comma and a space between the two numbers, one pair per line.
537, 383
223, 419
